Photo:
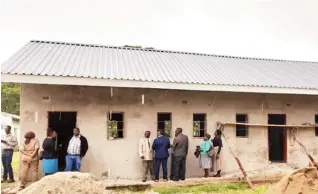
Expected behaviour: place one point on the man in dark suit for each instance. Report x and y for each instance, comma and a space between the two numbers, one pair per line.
180, 149
161, 145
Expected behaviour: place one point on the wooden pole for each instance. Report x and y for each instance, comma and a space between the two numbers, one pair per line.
269, 125
294, 131
309, 156
247, 179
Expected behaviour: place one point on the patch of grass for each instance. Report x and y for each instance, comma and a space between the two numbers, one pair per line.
133, 189
15, 161
231, 188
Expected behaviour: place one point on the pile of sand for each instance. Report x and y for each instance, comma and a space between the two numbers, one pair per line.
66, 183
301, 181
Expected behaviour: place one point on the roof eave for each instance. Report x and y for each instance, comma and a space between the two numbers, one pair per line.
82, 81
15, 117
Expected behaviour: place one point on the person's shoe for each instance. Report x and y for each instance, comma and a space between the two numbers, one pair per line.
3, 181
176, 180
144, 180
156, 180
11, 181
218, 174
165, 180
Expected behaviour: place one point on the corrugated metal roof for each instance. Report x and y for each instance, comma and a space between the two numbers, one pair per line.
17, 117
124, 63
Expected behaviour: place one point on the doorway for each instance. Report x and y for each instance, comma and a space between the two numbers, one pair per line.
63, 123
277, 139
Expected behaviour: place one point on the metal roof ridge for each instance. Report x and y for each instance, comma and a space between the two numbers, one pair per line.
151, 49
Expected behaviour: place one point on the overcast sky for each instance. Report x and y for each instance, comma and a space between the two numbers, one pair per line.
285, 29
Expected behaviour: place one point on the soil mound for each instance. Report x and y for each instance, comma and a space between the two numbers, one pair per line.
66, 183
301, 181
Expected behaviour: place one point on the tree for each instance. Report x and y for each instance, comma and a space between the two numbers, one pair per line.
10, 98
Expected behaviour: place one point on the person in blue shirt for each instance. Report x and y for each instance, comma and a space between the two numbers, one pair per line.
205, 159
161, 146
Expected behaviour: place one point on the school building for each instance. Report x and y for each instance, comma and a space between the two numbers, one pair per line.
114, 94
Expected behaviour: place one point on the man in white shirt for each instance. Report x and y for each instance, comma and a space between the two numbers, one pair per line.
8, 143
146, 154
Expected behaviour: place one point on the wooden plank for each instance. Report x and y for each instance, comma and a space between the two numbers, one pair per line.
268, 125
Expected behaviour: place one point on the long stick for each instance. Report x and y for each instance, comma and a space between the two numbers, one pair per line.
309, 156
270, 125
247, 179
293, 133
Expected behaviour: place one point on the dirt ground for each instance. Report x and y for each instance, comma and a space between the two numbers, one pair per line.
66, 182
271, 170
84, 183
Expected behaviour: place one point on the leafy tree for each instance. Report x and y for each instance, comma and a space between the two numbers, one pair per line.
10, 98
113, 129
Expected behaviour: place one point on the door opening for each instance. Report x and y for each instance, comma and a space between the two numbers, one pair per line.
277, 139
63, 123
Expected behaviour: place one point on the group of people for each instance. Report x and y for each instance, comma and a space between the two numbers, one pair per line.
30, 155
76, 150
209, 154
155, 154
158, 150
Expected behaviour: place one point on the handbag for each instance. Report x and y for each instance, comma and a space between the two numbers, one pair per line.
197, 152
211, 152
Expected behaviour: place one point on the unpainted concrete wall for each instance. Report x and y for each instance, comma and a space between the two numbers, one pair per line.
120, 157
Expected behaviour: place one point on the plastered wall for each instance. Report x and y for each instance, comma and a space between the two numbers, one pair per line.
120, 157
